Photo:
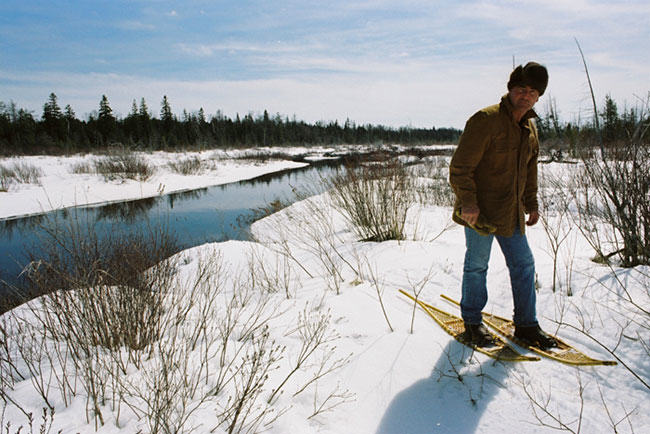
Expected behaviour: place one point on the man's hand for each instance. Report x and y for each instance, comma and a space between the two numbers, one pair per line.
532, 218
469, 214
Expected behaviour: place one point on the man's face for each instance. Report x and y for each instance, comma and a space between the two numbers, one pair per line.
523, 98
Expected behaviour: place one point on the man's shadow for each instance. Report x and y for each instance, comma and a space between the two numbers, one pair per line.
452, 399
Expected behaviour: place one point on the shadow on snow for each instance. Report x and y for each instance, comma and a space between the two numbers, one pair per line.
452, 400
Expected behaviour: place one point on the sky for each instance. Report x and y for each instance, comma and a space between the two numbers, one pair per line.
396, 63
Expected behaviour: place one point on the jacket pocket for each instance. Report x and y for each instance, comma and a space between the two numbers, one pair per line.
497, 206
501, 143
502, 162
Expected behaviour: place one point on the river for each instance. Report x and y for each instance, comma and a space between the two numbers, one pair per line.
195, 217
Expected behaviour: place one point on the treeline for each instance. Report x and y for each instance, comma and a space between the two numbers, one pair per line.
610, 127
60, 130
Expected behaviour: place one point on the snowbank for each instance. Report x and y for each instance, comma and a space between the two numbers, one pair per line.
399, 372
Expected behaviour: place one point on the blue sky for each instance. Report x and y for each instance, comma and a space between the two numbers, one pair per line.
396, 63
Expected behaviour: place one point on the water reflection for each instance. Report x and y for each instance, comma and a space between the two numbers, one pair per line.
197, 216
9, 227
185, 195
127, 212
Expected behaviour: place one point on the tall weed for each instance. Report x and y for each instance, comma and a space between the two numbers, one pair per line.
124, 165
22, 173
374, 199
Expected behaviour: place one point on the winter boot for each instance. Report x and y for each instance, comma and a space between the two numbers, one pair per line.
534, 336
477, 334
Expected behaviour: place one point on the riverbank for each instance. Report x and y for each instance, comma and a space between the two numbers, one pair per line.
61, 185
58, 185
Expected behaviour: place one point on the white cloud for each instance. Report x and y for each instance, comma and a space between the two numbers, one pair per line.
135, 25
425, 63
207, 50
421, 100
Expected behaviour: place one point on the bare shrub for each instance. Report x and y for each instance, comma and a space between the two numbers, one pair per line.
315, 333
100, 296
549, 416
157, 346
263, 155
619, 176
209, 348
310, 231
242, 413
615, 303
631, 318
620, 199
416, 289
333, 399
466, 369
27, 173
546, 415
373, 276
318, 235
9, 373
21, 173
81, 254
6, 178
433, 186
374, 199
555, 217
83, 167
245, 313
173, 384
271, 274
123, 165
187, 166
46, 421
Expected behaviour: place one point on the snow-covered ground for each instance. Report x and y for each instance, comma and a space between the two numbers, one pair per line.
59, 187
396, 372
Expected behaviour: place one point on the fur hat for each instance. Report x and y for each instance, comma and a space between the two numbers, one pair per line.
532, 74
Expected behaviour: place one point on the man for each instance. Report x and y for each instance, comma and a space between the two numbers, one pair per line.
494, 175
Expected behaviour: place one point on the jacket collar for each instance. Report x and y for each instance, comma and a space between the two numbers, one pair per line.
506, 106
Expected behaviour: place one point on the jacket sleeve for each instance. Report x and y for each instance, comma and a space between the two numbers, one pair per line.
530, 191
471, 147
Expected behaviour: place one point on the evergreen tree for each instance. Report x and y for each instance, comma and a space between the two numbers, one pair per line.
20, 132
69, 113
144, 127
70, 121
143, 110
51, 109
265, 128
53, 119
106, 122
130, 123
167, 118
105, 110
611, 121
25, 132
134, 109
166, 114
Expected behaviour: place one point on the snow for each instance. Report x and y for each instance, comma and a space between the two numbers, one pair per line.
60, 188
398, 373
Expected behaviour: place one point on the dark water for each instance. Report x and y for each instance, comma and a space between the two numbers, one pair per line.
195, 217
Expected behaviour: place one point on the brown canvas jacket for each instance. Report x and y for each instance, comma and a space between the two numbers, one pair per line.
495, 167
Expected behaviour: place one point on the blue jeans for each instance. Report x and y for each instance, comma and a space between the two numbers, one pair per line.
521, 266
